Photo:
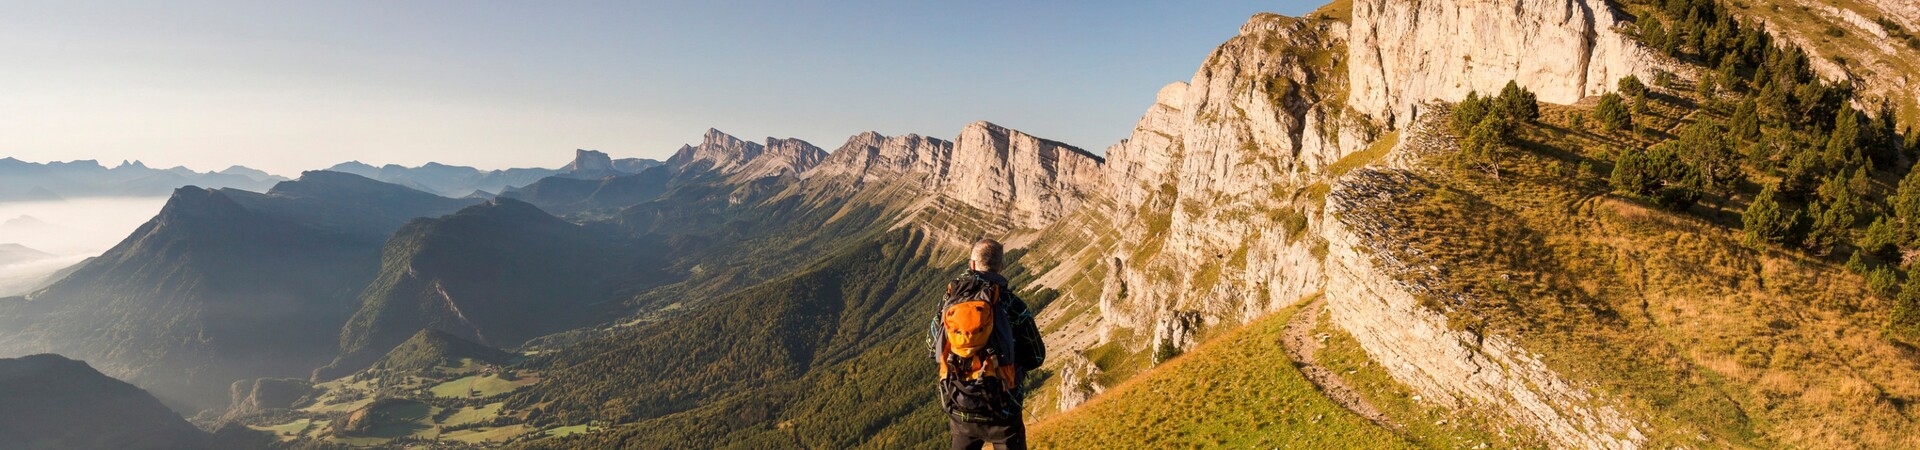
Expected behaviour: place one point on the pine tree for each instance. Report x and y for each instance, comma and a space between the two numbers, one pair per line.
1612, 113
1653, 32
1485, 144
1905, 204
1631, 86
1833, 215
1767, 220
1745, 123
1912, 143
1468, 112
1844, 145
1905, 321
1706, 148
1882, 239
1518, 104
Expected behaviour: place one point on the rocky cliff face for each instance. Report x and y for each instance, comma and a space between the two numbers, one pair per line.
1368, 293
1404, 52
1025, 180
1214, 209
590, 164
1204, 218
870, 157
730, 156
1015, 179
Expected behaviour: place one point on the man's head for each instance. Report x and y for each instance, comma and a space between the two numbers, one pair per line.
986, 257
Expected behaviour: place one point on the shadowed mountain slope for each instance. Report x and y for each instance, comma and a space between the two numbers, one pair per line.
222, 285
52, 402
498, 273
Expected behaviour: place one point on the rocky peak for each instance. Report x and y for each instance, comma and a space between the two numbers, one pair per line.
1402, 53
871, 157
590, 163
730, 156
1028, 181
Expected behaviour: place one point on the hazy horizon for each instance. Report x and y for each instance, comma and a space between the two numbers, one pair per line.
292, 87
71, 230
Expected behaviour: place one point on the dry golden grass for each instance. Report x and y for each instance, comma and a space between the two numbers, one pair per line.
1236, 391
1711, 342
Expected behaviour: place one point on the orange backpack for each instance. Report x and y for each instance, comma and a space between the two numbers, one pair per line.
974, 350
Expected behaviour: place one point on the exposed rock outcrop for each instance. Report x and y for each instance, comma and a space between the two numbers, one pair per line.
590, 164
872, 158
1366, 295
729, 156
1207, 224
1026, 180
1405, 52
1016, 179
264, 394
1215, 203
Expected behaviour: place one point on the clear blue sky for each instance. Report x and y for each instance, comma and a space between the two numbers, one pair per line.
286, 86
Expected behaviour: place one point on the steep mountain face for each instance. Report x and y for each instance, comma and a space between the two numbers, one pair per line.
1211, 197
870, 157
25, 181
594, 164
498, 273
1404, 53
589, 164
723, 154
1026, 181
1237, 195
222, 285
1217, 200
58, 403
1016, 180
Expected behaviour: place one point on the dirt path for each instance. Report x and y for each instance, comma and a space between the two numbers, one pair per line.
1301, 346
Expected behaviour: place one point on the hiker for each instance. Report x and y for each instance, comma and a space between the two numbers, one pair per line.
984, 341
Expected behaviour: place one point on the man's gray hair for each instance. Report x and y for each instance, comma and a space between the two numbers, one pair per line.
989, 252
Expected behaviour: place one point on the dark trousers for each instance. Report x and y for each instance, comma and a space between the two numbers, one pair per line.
1011, 435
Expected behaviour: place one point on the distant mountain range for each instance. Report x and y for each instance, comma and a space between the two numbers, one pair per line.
25, 181
462, 181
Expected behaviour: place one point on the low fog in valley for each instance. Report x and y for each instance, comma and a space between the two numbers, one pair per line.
63, 232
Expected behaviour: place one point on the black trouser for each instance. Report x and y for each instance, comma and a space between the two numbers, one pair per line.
1010, 435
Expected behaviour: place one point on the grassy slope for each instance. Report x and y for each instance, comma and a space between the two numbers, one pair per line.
1236, 391
1669, 314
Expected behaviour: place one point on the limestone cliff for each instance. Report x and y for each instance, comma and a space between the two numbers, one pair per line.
1015, 179
729, 156
1025, 180
1215, 209
1407, 51
1370, 294
590, 164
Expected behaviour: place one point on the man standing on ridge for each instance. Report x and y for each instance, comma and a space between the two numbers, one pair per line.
984, 340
